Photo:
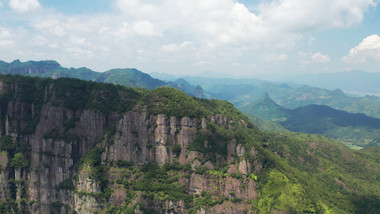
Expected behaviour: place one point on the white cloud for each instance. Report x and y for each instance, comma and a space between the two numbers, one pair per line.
176, 47
276, 58
5, 37
367, 51
24, 5
319, 57
301, 15
145, 28
213, 22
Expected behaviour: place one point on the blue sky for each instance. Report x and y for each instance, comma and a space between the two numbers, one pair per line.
234, 38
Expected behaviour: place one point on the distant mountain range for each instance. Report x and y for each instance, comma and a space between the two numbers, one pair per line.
130, 77
242, 92
352, 81
353, 129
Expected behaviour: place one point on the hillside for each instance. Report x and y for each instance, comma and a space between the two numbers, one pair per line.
353, 129
74, 146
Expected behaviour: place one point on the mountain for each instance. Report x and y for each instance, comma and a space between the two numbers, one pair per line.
242, 92
17, 67
70, 146
129, 77
267, 109
47, 68
353, 129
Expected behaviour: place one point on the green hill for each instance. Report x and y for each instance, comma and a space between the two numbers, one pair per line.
129, 77
75, 146
353, 129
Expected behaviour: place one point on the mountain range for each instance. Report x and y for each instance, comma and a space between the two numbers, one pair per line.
354, 129
244, 94
74, 146
128, 76
355, 81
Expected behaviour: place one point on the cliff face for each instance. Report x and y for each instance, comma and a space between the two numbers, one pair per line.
61, 159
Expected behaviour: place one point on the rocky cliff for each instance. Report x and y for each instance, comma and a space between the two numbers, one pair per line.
51, 141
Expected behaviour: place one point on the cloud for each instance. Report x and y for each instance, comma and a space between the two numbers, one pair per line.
175, 35
212, 22
367, 51
176, 47
276, 58
145, 28
319, 57
301, 15
22, 6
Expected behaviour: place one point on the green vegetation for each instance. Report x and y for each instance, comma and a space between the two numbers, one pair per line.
19, 161
266, 125
66, 184
212, 141
6, 144
326, 175
170, 101
129, 77
8, 206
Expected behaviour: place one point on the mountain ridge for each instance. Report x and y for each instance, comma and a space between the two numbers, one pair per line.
319, 119
130, 77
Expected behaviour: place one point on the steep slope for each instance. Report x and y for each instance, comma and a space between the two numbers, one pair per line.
69, 145
130, 77
354, 129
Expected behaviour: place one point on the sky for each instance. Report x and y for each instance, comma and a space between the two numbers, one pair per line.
246, 38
